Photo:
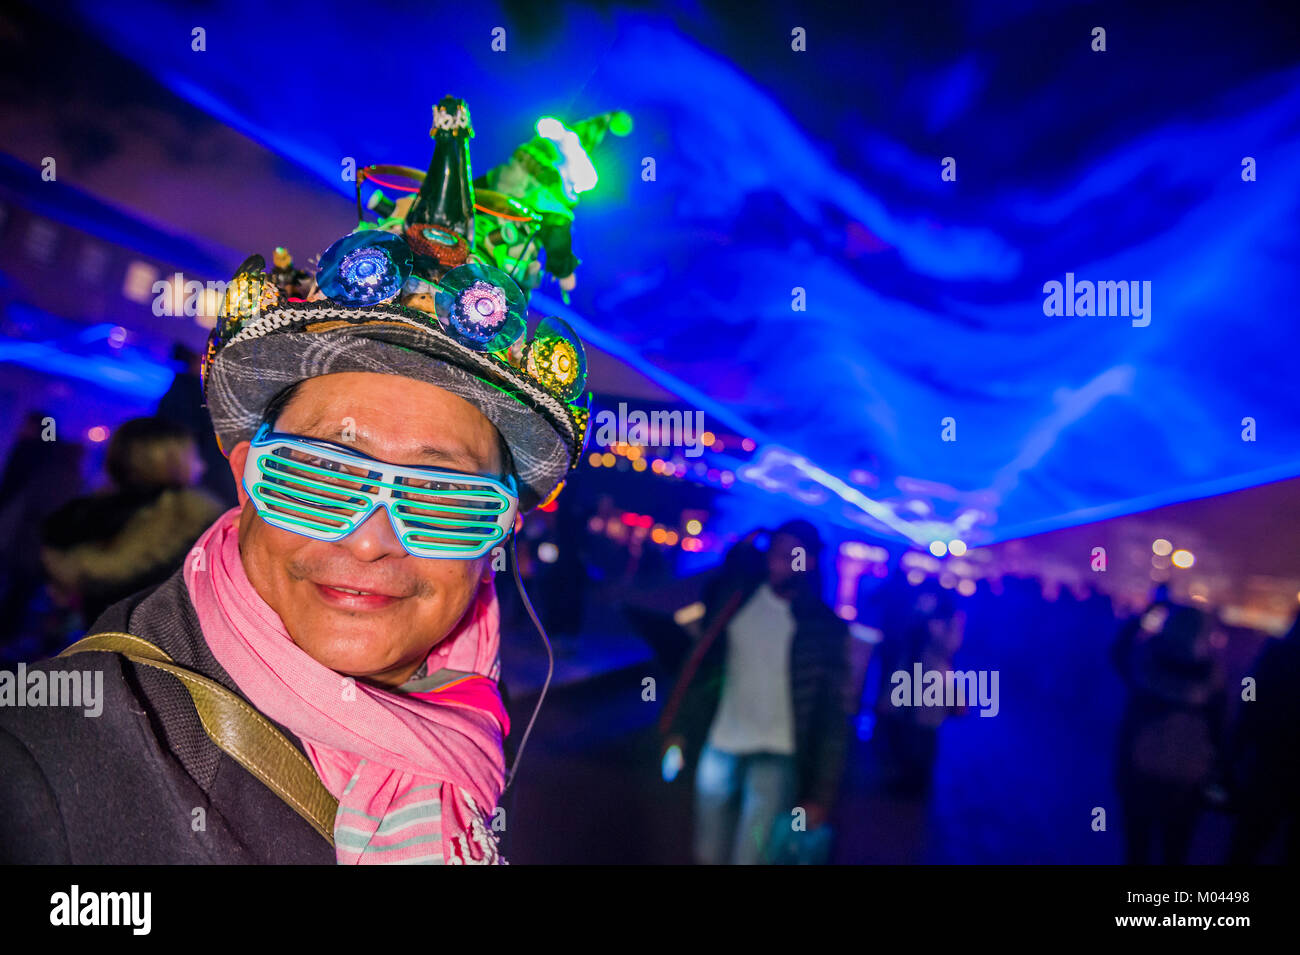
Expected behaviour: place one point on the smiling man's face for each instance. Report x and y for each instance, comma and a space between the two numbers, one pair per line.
407, 604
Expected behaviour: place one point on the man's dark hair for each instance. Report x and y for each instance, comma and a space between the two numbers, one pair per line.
810, 580
142, 453
804, 532
507, 459
275, 407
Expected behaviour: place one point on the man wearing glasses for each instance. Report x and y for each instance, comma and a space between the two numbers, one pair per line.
318, 683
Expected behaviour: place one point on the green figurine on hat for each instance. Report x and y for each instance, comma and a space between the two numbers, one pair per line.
528, 202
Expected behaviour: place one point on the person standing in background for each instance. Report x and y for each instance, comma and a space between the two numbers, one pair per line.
1170, 732
102, 548
929, 633
766, 704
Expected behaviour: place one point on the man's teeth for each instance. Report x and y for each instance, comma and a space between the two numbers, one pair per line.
364, 593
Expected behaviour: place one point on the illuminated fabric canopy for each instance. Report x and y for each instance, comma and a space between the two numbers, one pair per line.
777, 236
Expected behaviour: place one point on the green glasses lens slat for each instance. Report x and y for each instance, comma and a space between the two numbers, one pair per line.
327, 504
475, 543
443, 515
331, 476
502, 504
485, 533
330, 523
288, 474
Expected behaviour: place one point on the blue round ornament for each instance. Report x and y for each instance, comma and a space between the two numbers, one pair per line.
365, 268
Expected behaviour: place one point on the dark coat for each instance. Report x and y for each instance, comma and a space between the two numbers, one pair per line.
818, 671
106, 547
124, 787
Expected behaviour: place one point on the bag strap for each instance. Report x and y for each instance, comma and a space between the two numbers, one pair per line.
669, 713
237, 728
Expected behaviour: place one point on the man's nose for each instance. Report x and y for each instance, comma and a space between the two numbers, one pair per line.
375, 538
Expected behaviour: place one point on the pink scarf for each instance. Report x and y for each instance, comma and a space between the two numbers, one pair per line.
417, 775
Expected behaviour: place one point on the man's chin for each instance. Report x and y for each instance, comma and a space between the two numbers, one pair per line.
357, 648
358, 655
367, 644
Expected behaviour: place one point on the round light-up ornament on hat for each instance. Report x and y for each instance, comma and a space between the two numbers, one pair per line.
557, 359
365, 268
249, 293
484, 307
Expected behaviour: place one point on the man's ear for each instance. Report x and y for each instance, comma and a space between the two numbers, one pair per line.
238, 458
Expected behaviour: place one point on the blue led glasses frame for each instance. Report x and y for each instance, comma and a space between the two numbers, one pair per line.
325, 491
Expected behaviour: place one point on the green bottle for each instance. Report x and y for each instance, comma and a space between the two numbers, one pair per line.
446, 197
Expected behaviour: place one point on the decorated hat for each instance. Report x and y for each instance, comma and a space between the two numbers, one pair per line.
373, 309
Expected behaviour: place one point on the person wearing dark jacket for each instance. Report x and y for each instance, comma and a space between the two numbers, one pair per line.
103, 548
141, 783
319, 680
1170, 732
759, 706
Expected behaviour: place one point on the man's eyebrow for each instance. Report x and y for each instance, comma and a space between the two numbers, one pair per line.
454, 455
